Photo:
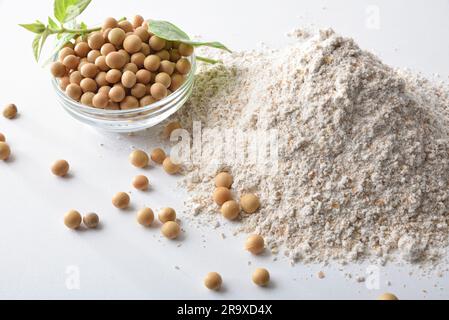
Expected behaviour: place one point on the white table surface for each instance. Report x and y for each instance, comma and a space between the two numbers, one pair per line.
41, 259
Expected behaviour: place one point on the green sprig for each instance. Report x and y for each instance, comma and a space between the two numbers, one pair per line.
168, 31
66, 11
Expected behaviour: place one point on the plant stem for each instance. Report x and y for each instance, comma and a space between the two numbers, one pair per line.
207, 60
65, 30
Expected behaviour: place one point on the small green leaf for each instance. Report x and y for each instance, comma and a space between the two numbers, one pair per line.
35, 45
37, 27
208, 60
170, 32
167, 31
44, 37
38, 43
52, 24
59, 10
67, 10
76, 9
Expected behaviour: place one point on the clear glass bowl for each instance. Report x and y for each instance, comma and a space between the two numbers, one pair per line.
129, 120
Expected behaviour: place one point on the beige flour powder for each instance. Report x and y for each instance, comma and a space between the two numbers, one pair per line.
363, 162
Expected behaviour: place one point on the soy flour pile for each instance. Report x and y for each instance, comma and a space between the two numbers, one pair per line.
363, 165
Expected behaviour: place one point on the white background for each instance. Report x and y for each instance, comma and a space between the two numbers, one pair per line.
39, 256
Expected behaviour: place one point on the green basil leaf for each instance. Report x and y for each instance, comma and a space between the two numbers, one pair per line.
35, 45
167, 30
59, 9
44, 37
52, 24
38, 43
67, 10
170, 32
76, 9
37, 27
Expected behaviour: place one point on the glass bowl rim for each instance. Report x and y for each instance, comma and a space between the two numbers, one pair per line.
151, 107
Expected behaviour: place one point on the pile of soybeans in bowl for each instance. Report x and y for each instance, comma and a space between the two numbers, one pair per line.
122, 66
